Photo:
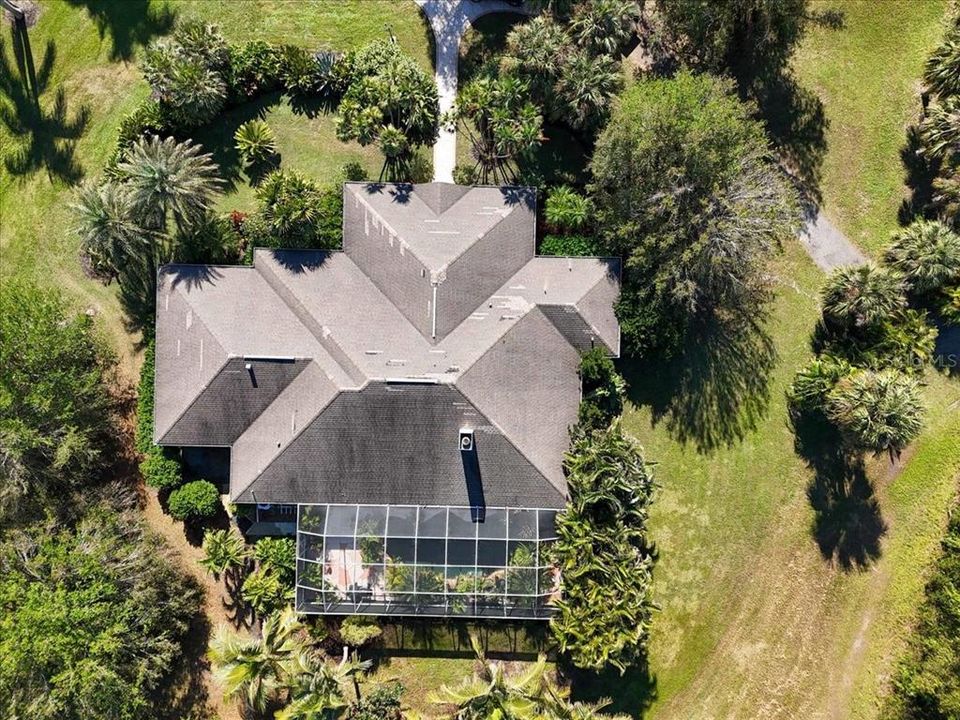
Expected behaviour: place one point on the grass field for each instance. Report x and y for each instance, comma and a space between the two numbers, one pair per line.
867, 76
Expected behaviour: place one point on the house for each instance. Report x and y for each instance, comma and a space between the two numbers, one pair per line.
408, 399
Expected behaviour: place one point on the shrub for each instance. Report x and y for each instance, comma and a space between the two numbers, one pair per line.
255, 141
255, 68
143, 435
353, 172
603, 390
812, 383
568, 210
862, 296
161, 469
950, 309
190, 92
356, 630
382, 703
465, 174
264, 591
194, 501
147, 119
305, 73
213, 240
567, 245
297, 213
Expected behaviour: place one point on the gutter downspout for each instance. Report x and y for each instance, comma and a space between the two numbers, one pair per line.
433, 307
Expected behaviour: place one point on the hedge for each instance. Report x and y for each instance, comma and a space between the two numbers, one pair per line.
144, 431
196, 500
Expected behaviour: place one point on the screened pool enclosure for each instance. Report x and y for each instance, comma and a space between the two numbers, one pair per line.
425, 560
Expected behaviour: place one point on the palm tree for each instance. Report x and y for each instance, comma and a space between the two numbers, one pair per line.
940, 128
315, 688
942, 72
604, 26
877, 411
170, 180
109, 234
491, 693
927, 253
254, 668
534, 51
863, 296
224, 551
586, 88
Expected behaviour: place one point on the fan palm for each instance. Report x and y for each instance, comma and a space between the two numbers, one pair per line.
604, 26
940, 129
166, 179
109, 234
877, 411
927, 253
586, 88
862, 296
254, 668
942, 71
224, 551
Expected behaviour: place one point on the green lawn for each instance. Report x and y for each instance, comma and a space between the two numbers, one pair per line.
92, 59
867, 76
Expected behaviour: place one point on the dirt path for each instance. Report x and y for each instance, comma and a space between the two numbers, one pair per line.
189, 557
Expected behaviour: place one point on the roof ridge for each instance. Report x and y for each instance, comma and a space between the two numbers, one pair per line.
311, 324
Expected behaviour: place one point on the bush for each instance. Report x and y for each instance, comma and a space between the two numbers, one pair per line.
950, 309
603, 390
161, 469
147, 119
569, 245
255, 141
356, 630
297, 213
383, 703
264, 591
255, 68
279, 556
194, 501
465, 174
353, 172
812, 383
305, 73
213, 240
143, 435
927, 254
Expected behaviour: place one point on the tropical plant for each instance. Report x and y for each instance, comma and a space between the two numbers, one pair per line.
950, 309
687, 193
941, 73
603, 554
161, 469
927, 254
108, 227
383, 703
604, 26
862, 296
224, 551
534, 52
194, 501
265, 592
95, 618
253, 669
298, 213
585, 90
356, 630
877, 411
56, 413
813, 382
500, 122
255, 141
940, 128
602, 390
278, 555
169, 181
568, 210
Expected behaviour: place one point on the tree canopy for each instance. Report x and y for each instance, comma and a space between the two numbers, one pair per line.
687, 193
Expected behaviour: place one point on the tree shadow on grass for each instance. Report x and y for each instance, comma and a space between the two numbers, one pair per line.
45, 136
920, 174
848, 524
629, 694
716, 391
130, 23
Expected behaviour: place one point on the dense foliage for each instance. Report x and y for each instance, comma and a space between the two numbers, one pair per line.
927, 686
143, 436
56, 419
296, 212
197, 500
687, 193
603, 552
92, 620
161, 469
602, 390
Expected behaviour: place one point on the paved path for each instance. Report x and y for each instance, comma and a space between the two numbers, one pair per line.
449, 20
829, 247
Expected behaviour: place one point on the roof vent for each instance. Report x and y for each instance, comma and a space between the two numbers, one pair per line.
466, 440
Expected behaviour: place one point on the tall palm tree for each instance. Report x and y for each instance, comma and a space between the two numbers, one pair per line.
940, 128
942, 71
877, 411
862, 296
109, 234
170, 180
604, 26
316, 686
254, 669
586, 88
927, 253
224, 551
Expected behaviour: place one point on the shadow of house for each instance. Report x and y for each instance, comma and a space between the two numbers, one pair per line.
715, 392
848, 525
129, 23
45, 136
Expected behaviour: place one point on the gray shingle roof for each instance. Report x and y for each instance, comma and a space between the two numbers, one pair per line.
368, 361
